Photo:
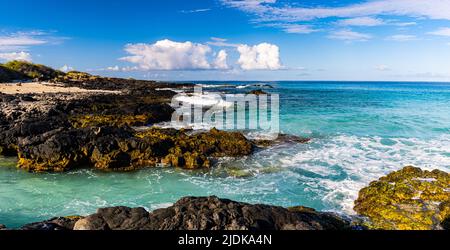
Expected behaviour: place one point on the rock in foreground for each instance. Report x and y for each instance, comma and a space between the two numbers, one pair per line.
202, 213
409, 199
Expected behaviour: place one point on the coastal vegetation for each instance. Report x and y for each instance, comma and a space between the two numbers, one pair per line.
31, 71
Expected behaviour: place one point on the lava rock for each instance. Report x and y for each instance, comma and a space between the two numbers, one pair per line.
211, 213
408, 199
58, 223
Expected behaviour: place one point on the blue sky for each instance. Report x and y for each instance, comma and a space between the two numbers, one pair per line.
399, 40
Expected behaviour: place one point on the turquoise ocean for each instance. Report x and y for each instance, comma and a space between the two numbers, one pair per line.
360, 131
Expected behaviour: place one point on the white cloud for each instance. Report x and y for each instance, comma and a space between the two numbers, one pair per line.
221, 42
441, 32
113, 68
432, 9
19, 41
401, 38
221, 60
66, 68
296, 28
361, 21
15, 46
195, 11
263, 56
382, 67
404, 24
21, 56
169, 55
364, 13
349, 36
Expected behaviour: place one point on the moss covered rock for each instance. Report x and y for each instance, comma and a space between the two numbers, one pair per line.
84, 121
33, 71
409, 199
76, 76
113, 148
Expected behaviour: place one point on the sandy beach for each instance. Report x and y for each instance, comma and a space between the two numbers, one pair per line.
45, 87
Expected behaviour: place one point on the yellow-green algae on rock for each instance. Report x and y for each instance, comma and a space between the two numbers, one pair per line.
408, 199
84, 121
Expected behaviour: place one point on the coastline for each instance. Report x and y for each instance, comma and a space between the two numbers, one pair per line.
89, 120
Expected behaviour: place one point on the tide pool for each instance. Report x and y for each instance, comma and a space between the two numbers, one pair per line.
360, 131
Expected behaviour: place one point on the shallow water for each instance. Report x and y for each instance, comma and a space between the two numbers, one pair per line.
360, 132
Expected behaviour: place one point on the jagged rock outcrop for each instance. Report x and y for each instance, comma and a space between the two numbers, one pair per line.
408, 199
210, 213
112, 148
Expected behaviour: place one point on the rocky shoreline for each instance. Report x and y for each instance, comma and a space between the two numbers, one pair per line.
63, 131
408, 199
94, 127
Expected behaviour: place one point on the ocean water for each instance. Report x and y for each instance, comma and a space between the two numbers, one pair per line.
360, 131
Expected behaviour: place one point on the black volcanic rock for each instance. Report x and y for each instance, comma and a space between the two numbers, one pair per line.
58, 223
211, 213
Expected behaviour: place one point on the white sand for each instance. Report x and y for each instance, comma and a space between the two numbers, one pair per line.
45, 87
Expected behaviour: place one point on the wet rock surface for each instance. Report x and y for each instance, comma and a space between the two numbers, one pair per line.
281, 139
57, 223
409, 199
200, 213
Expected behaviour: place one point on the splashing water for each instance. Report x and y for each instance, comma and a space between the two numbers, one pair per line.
359, 131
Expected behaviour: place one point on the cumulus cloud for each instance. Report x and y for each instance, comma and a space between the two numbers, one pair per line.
401, 38
221, 60
441, 32
349, 36
263, 56
66, 68
21, 56
361, 21
169, 55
